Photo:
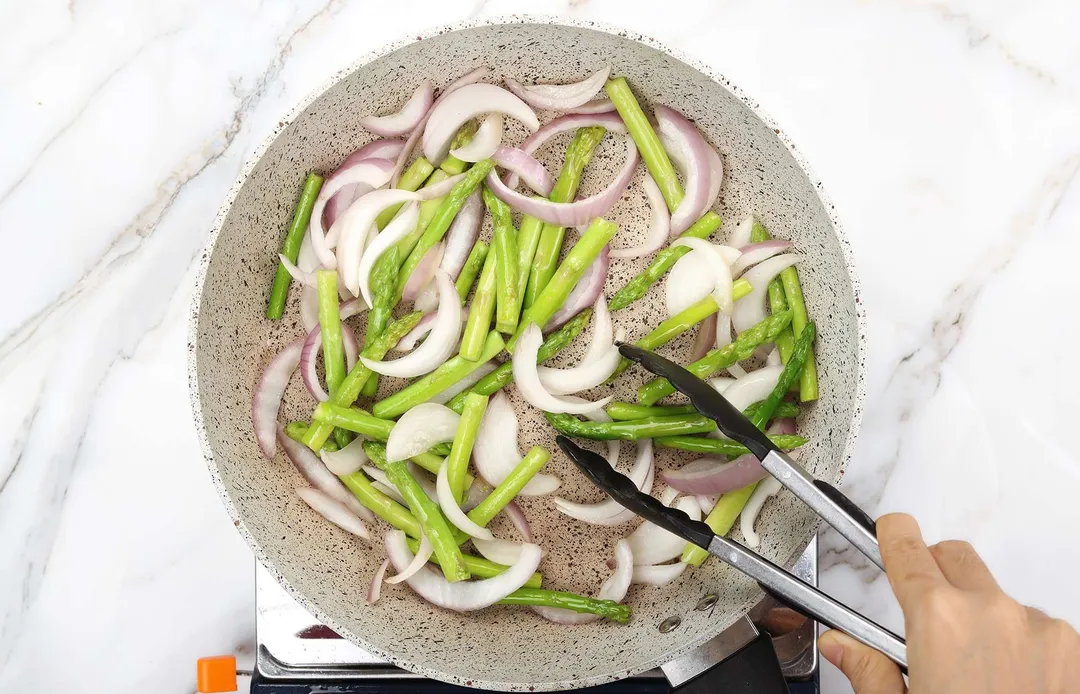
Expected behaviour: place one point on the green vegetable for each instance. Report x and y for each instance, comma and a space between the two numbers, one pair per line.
381, 505
571, 269
478, 566
504, 373
546, 257
671, 328
296, 430
426, 511
640, 283
457, 463
330, 322
429, 461
527, 241
783, 409
503, 494
343, 437
422, 390
350, 388
743, 346
478, 323
452, 165
354, 419
411, 179
506, 270
290, 248
632, 429
622, 411
785, 341
703, 444
656, 159
471, 269
569, 601
439, 224
808, 389
800, 357
720, 519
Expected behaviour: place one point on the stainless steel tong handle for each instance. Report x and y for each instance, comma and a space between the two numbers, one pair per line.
809, 600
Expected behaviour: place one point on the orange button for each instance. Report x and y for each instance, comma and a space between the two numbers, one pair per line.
217, 674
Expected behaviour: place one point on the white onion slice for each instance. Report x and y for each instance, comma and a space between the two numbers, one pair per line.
754, 253
309, 354
462, 235
268, 393
366, 175
518, 519
375, 587
391, 491
705, 338
499, 551
709, 475
706, 502
305, 279
309, 308
469, 381
722, 383
319, 477
768, 487
407, 118
750, 310
453, 512
603, 105
440, 343
495, 452
423, 274
587, 291
659, 226
599, 363
423, 554
356, 226
722, 257
753, 387
441, 188
743, 230
411, 338
614, 588
652, 544
570, 214
658, 574
723, 334
403, 224
528, 379
487, 139
347, 460
454, 109
352, 307
610, 121
609, 511
420, 428
716, 178
559, 97
774, 357
695, 152
691, 279
462, 596
524, 166
333, 511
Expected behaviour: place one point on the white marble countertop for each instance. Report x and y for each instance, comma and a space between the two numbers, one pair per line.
947, 132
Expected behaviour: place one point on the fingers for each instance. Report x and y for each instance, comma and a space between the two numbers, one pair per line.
869, 671
962, 566
909, 565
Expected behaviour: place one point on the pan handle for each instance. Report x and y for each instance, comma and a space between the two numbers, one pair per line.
753, 669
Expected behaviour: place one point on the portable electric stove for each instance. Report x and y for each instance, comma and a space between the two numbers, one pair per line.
296, 654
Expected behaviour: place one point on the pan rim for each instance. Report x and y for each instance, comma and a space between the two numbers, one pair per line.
858, 396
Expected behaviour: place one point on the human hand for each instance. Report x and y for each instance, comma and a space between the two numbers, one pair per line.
964, 635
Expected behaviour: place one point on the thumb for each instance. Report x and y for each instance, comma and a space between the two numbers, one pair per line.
869, 671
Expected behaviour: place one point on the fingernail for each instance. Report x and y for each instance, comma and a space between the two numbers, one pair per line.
830, 648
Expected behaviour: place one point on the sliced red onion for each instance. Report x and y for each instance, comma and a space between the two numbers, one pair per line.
693, 150
441, 188
588, 290
721, 383
784, 426
614, 588
754, 253
559, 97
465, 383
423, 554
704, 339
333, 511
587, 374
376, 149
570, 214
658, 574
305, 279
706, 502
462, 235
464, 104
477, 492
375, 587
528, 379
470, 77
319, 477
403, 224
486, 140
462, 596
352, 307
407, 118
723, 332
440, 343
716, 178
356, 227
595, 106
419, 429
366, 175
309, 308
768, 487
268, 393
652, 544
609, 511
524, 166
521, 523
710, 475
310, 354
495, 452
380, 481
750, 310
499, 551
453, 512
611, 121
428, 300
691, 279
743, 231
774, 357
347, 460
659, 226
408, 343
423, 273
722, 257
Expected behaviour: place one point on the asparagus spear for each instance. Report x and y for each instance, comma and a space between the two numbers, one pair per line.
426, 512
783, 409
528, 240
720, 519
703, 444
506, 270
478, 566
411, 179
290, 248
354, 419
483, 306
622, 411
428, 208
504, 373
330, 323
546, 257
350, 388
569, 601
452, 165
457, 463
503, 494
422, 390
671, 328
808, 389
801, 355
380, 504
296, 430
631, 430
571, 269
471, 269
785, 341
656, 159
743, 346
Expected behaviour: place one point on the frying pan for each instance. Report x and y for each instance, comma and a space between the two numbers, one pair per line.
325, 569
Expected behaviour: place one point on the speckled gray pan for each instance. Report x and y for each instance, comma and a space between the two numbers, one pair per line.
327, 570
